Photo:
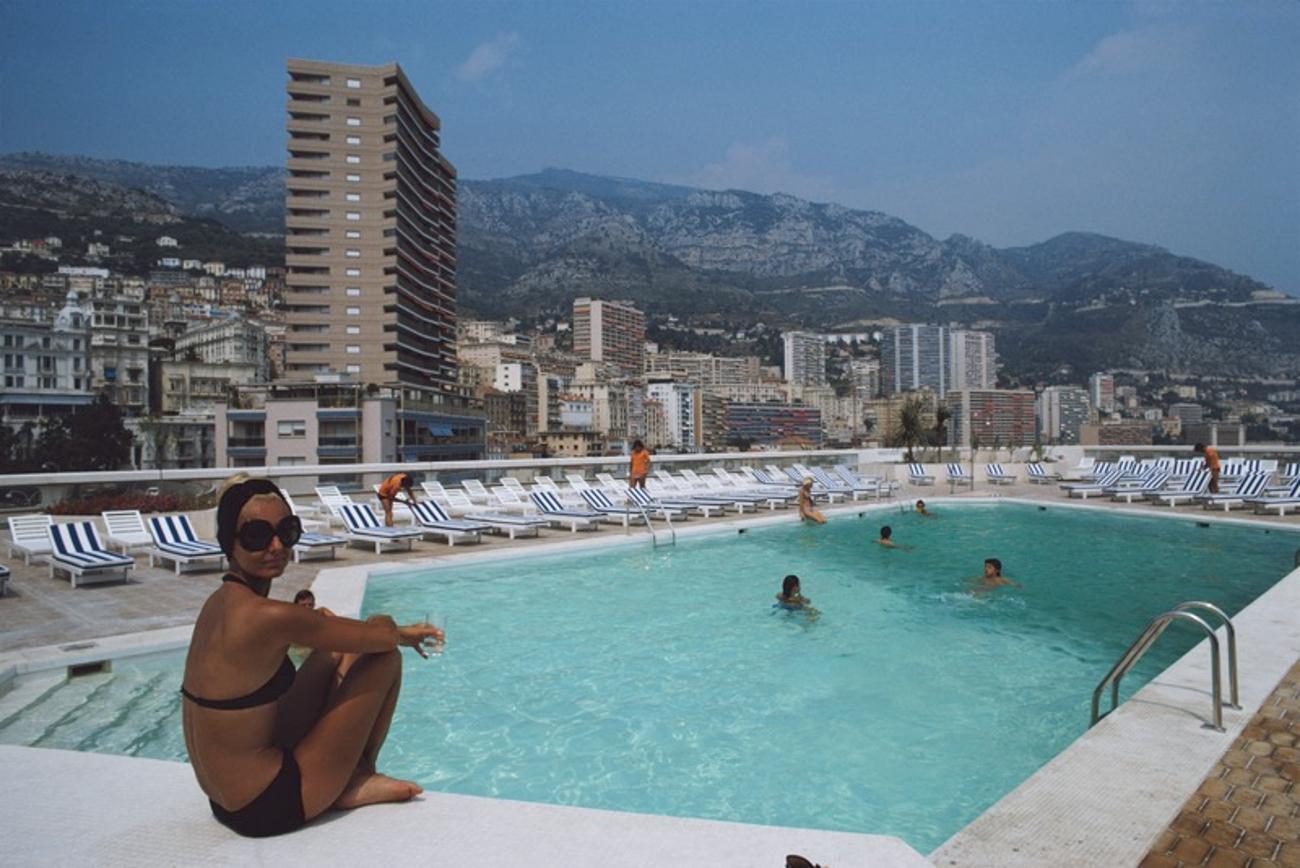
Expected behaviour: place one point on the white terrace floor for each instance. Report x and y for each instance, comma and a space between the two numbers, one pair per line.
1101, 802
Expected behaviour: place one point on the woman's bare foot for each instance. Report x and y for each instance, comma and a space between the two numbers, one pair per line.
372, 788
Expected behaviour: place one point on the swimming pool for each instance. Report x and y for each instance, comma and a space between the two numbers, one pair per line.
662, 681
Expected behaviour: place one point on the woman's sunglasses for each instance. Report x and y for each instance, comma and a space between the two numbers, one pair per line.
256, 535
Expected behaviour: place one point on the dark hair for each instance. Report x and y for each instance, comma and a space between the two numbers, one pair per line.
1199, 447
407, 482
304, 594
920, 502
637, 444
232, 504
787, 586
997, 564
886, 532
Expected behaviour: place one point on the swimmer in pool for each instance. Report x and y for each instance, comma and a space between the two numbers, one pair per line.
993, 577
921, 510
791, 598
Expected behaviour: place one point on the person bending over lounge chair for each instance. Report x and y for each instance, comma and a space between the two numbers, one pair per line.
808, 512
273, 757
1211, 464
397, 487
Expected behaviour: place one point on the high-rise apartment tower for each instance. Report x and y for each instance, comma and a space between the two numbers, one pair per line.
610, 331
805, 359
972, 360
370, 289
914, 357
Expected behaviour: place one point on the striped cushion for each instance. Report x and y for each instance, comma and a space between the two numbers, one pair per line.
77, 543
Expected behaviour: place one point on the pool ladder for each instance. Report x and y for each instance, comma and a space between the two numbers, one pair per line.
654, 537
1147, 638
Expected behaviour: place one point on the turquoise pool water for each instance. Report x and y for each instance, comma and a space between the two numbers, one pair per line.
663, 681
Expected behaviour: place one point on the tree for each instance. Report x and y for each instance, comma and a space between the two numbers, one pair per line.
92, 438
941, 417
910, 428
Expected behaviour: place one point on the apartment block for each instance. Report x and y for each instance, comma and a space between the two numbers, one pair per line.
46, 362
972, 359
230, 341
774, 425
805, 359
914, 357
370, 289
1062, 412
1101, 391
119, 351
704, 369
610, 331
679, 405
990, 417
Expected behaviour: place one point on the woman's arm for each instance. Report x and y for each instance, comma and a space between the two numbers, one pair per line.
298, 625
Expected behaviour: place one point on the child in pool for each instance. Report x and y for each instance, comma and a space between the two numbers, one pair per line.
791, 599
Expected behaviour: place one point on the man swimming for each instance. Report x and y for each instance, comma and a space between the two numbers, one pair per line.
887, 538
993, 577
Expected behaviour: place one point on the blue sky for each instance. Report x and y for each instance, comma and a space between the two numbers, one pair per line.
1173, 124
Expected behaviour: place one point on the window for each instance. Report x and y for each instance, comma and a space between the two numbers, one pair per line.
76, 343
353, 158
352, 253
353, 179
291, 428
45, 343
76, 363
352, 272
353, 197
354, 140
353, 311
353, 215
354, 350
354, 330
49, 383
353, 233
354, 83
353, 369
354, 122
76, 383
353, 290
14, 381
291, 460
353, 101
13, 362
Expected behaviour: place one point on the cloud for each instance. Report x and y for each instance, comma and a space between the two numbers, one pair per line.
762, 167
1137, 50
488, 57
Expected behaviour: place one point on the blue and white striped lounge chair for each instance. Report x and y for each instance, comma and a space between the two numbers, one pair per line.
316, 546
738, 483
681, 491
711, 487
1038, 475
174, 540
1287, 499
917, 476
957, 476
766, 479
560, 515
880, 485
997, 475
77, 551
29, 536
599, 502
362, 528
1248, 487
1186, 491
510, 524
836, 484
1130, 491
4, 580
1290, 473
798, 473
432, 520
1085, 489
671, 508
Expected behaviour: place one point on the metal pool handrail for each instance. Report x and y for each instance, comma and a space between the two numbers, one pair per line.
1148, 637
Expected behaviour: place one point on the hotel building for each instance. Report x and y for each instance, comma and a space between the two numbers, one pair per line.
610, 331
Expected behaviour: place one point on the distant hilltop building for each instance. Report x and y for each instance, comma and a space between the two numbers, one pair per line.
1101, 391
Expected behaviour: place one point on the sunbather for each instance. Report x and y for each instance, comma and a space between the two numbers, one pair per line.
272, 757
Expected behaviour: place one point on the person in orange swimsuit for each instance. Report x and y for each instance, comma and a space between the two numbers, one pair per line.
394, 488
1211, 464
640, 465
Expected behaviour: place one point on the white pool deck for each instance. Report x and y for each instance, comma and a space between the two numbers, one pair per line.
1100, 802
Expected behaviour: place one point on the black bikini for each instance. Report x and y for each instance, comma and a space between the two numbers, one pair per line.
278, 808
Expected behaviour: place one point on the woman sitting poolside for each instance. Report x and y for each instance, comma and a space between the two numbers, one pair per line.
807, 511
272, 757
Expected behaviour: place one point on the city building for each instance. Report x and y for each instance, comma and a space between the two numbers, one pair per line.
991, 418
771, 425
805, 359
1188, 414
864, 375
573, 444
679, 404
520, 378
610, 331
973, 361
1117, 432
1062, 411
914, 357
46, 363
1215, 433
1101, 391
703, 369
119, 351
885, 414
370, 289
230, 341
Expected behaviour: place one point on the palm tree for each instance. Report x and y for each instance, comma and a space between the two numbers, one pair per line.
941, 417
910, 428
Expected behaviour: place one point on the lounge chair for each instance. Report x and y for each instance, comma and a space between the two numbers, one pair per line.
1287, 499
917, 476
316, 546
1290, 473
682, 489
308, 515
1249, 487
496, 522
558, 514
510, 500
174, 540
77, 551
362, 528
430, 518
729, 483
599, 502
1038, 475
996, 475
881, 485
401, 511
957, 476
1085, 489
477, 491
434, 490
823, 481
1186, 491
125, 529
28, 536
1128, 491
1086, 469
4, 580
665, 509
331, 501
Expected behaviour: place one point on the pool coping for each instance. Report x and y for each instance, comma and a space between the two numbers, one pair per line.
1047, 818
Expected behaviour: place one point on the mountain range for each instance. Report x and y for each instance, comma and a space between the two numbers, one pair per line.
528, 245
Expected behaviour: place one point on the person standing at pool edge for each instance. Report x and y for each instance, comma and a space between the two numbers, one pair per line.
1211, 464
398, 483
640, 465
274, 757
807, 511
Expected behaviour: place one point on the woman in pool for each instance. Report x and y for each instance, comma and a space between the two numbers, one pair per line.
791, 599
272, 757
807, 511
